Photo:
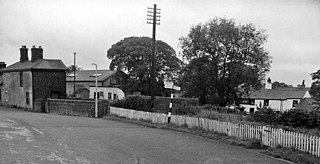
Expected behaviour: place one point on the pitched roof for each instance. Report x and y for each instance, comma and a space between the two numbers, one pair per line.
308, 104
89, 75
279, 93
40, 64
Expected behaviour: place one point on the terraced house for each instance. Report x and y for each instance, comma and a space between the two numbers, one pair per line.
28, 83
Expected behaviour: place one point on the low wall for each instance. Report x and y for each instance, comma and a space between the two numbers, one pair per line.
84, 108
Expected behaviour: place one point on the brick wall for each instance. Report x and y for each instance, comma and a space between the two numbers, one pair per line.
84, 108
47, 84
44, 82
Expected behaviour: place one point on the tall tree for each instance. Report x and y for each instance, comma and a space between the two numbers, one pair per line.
234, 54
315, 86
133, 55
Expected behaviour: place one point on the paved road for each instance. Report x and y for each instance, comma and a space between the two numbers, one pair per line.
43, 138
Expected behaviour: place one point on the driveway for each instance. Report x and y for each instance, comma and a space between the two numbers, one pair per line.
27, 137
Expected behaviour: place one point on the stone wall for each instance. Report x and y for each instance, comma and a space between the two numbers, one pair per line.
83, 108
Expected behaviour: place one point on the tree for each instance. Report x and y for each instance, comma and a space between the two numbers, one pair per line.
133, 55
71, 68
234, 56
315, 86
278, 84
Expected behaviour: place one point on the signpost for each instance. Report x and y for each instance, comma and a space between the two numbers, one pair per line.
170, 85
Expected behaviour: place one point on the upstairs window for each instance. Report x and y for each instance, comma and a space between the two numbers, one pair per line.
294, 103
21, 79
266, 103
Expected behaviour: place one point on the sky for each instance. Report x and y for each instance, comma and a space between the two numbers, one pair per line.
91, 27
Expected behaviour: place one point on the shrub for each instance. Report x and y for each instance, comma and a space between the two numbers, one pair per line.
265, 115
135, 103
294, 118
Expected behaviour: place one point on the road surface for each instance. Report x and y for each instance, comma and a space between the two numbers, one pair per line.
27, 137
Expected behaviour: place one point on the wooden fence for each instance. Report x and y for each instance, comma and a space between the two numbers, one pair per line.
268, 136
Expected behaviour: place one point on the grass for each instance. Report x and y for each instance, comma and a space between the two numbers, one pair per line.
278, 152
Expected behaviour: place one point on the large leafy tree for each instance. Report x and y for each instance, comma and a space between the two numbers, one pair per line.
315, 86
232, 59
133, 55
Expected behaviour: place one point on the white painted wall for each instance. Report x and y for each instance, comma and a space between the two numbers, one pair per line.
106, 90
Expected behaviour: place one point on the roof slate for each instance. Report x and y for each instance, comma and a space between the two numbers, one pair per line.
279, 93
87, 75
42, 64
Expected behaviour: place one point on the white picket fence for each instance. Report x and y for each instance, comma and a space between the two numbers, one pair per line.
268, 136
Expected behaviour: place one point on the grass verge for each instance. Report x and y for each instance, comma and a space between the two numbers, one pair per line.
278, 152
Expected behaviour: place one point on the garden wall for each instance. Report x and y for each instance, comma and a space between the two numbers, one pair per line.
84, 108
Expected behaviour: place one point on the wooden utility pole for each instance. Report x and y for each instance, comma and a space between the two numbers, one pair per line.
154, 19
74, 74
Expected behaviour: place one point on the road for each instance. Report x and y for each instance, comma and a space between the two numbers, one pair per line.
27, 137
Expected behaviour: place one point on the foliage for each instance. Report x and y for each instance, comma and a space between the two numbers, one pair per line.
278, 84
73, 68
133, 55
134, 102
265, 115
222, 57
294, 118
315, 86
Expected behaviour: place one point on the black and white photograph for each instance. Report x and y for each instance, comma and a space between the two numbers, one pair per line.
159, 82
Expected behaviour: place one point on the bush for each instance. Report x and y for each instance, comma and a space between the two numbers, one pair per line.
294, 118
135, 103
265, 115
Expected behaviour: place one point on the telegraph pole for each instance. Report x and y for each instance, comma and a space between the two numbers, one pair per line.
74, 74
154, 19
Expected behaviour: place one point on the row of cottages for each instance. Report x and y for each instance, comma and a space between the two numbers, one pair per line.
28, 83
279, 99
81, 84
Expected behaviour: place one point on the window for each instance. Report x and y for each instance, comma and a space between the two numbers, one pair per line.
294, 103
27, 98
115, 97
101, 94
21, 79
251, 110
94, 75
251, 101
109, 96
94, 95
266, 103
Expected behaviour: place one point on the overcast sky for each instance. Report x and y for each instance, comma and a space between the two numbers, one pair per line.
90, 27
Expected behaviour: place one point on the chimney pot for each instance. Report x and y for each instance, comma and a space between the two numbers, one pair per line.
36, 53
3, 65
23, 53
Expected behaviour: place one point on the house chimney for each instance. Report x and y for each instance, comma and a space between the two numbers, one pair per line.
302, 85
269, 84
23, 54
36, 53
3, 65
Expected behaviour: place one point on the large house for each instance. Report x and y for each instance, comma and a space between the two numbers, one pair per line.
80, 82
28, 83
279, 99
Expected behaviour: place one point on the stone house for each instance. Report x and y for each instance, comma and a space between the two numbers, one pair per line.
84, 79
28, 83
279, 99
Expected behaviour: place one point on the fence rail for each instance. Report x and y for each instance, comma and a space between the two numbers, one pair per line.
267, 135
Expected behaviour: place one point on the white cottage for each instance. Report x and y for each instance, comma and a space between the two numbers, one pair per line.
279, 99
